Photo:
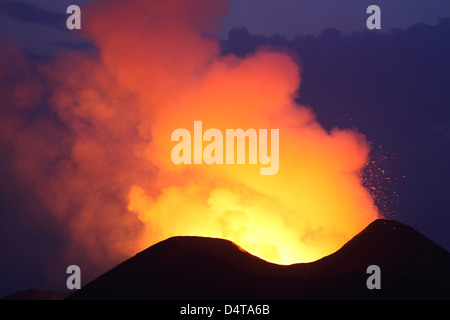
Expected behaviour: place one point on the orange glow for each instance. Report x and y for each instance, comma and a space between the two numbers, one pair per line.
162, 71
309, 209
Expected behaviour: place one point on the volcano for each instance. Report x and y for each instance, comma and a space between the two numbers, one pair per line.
412, 267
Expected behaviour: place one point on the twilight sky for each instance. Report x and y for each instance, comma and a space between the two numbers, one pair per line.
293, 17
393, 87
266, 17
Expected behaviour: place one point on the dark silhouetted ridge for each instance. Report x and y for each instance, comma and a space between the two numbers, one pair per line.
412, 266
395, 247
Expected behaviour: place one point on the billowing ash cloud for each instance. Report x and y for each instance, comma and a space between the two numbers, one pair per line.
100, 160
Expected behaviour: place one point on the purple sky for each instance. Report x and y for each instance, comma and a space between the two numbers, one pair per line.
266, 17
291, 17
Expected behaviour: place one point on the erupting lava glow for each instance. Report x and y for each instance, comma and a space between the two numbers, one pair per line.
158, 68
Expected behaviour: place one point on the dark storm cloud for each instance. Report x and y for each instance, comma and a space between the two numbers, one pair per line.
26, 12
394, 87
37, 30
294, 17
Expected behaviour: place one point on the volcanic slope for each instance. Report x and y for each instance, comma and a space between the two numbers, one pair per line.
412, 267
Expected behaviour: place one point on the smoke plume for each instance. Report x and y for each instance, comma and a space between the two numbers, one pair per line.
99, 157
